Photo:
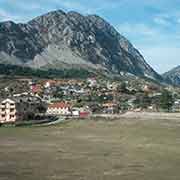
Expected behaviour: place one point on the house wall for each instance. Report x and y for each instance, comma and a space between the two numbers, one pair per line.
58, 111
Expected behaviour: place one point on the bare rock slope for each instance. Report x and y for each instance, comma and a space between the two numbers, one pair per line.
173, 76
70, 40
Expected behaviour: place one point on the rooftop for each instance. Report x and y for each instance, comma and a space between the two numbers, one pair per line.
59, 105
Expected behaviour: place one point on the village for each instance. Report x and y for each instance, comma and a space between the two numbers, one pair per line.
41, 100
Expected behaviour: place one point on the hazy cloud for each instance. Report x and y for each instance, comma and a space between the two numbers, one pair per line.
162, 21
6, 16
162, 58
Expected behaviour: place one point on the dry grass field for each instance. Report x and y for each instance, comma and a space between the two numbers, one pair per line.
92, 150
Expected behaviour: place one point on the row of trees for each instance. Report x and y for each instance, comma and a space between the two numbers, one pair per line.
12, 70
164, 102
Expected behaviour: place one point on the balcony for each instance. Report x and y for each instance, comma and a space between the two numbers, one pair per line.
2, 110
8, 106
2, 106
12, 110
12, 119
12, 113
2, 113
12, 105
2, 119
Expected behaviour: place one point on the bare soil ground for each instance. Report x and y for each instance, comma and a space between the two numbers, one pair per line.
92, 150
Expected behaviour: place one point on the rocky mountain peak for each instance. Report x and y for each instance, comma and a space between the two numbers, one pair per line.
62, 40
173, 76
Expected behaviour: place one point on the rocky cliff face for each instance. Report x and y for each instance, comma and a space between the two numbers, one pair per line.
63, 40
173, 76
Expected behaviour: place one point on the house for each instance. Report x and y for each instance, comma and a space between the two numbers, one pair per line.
92, 82
112, 86
75, 113
36, 89
8, 111
80, 112
110, 108
150, 88
59, 108
49, 83
176, 106
84, 114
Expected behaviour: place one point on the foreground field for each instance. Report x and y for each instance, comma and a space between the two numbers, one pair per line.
92, 150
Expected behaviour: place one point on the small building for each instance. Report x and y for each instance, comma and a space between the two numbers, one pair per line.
8, 111
110, 108
81, 112
36, 89
49, 83
59, 108
84, 114
92, 82
176, 106
75, 112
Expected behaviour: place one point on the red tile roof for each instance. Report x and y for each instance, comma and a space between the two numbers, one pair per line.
59, 105
51, 82
36, 88
109, 105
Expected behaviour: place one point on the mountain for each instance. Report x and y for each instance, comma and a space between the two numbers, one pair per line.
59, 40
173, 76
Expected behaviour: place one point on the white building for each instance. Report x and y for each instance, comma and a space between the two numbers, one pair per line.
7, 111
59, 108
92, 82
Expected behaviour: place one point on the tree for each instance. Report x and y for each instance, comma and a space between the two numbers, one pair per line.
122, 87
58, 94
146, 101
143, 101
166, 100
124, 106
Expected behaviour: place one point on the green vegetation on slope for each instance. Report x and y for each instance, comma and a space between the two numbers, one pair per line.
11, 70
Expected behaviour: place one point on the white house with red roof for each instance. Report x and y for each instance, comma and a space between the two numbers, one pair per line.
59, 108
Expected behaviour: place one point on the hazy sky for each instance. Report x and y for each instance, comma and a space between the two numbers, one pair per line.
153, 26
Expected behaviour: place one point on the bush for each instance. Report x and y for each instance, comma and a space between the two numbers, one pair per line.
166, 100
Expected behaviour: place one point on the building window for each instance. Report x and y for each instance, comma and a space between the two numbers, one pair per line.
11, 110
3, 109
12, 116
